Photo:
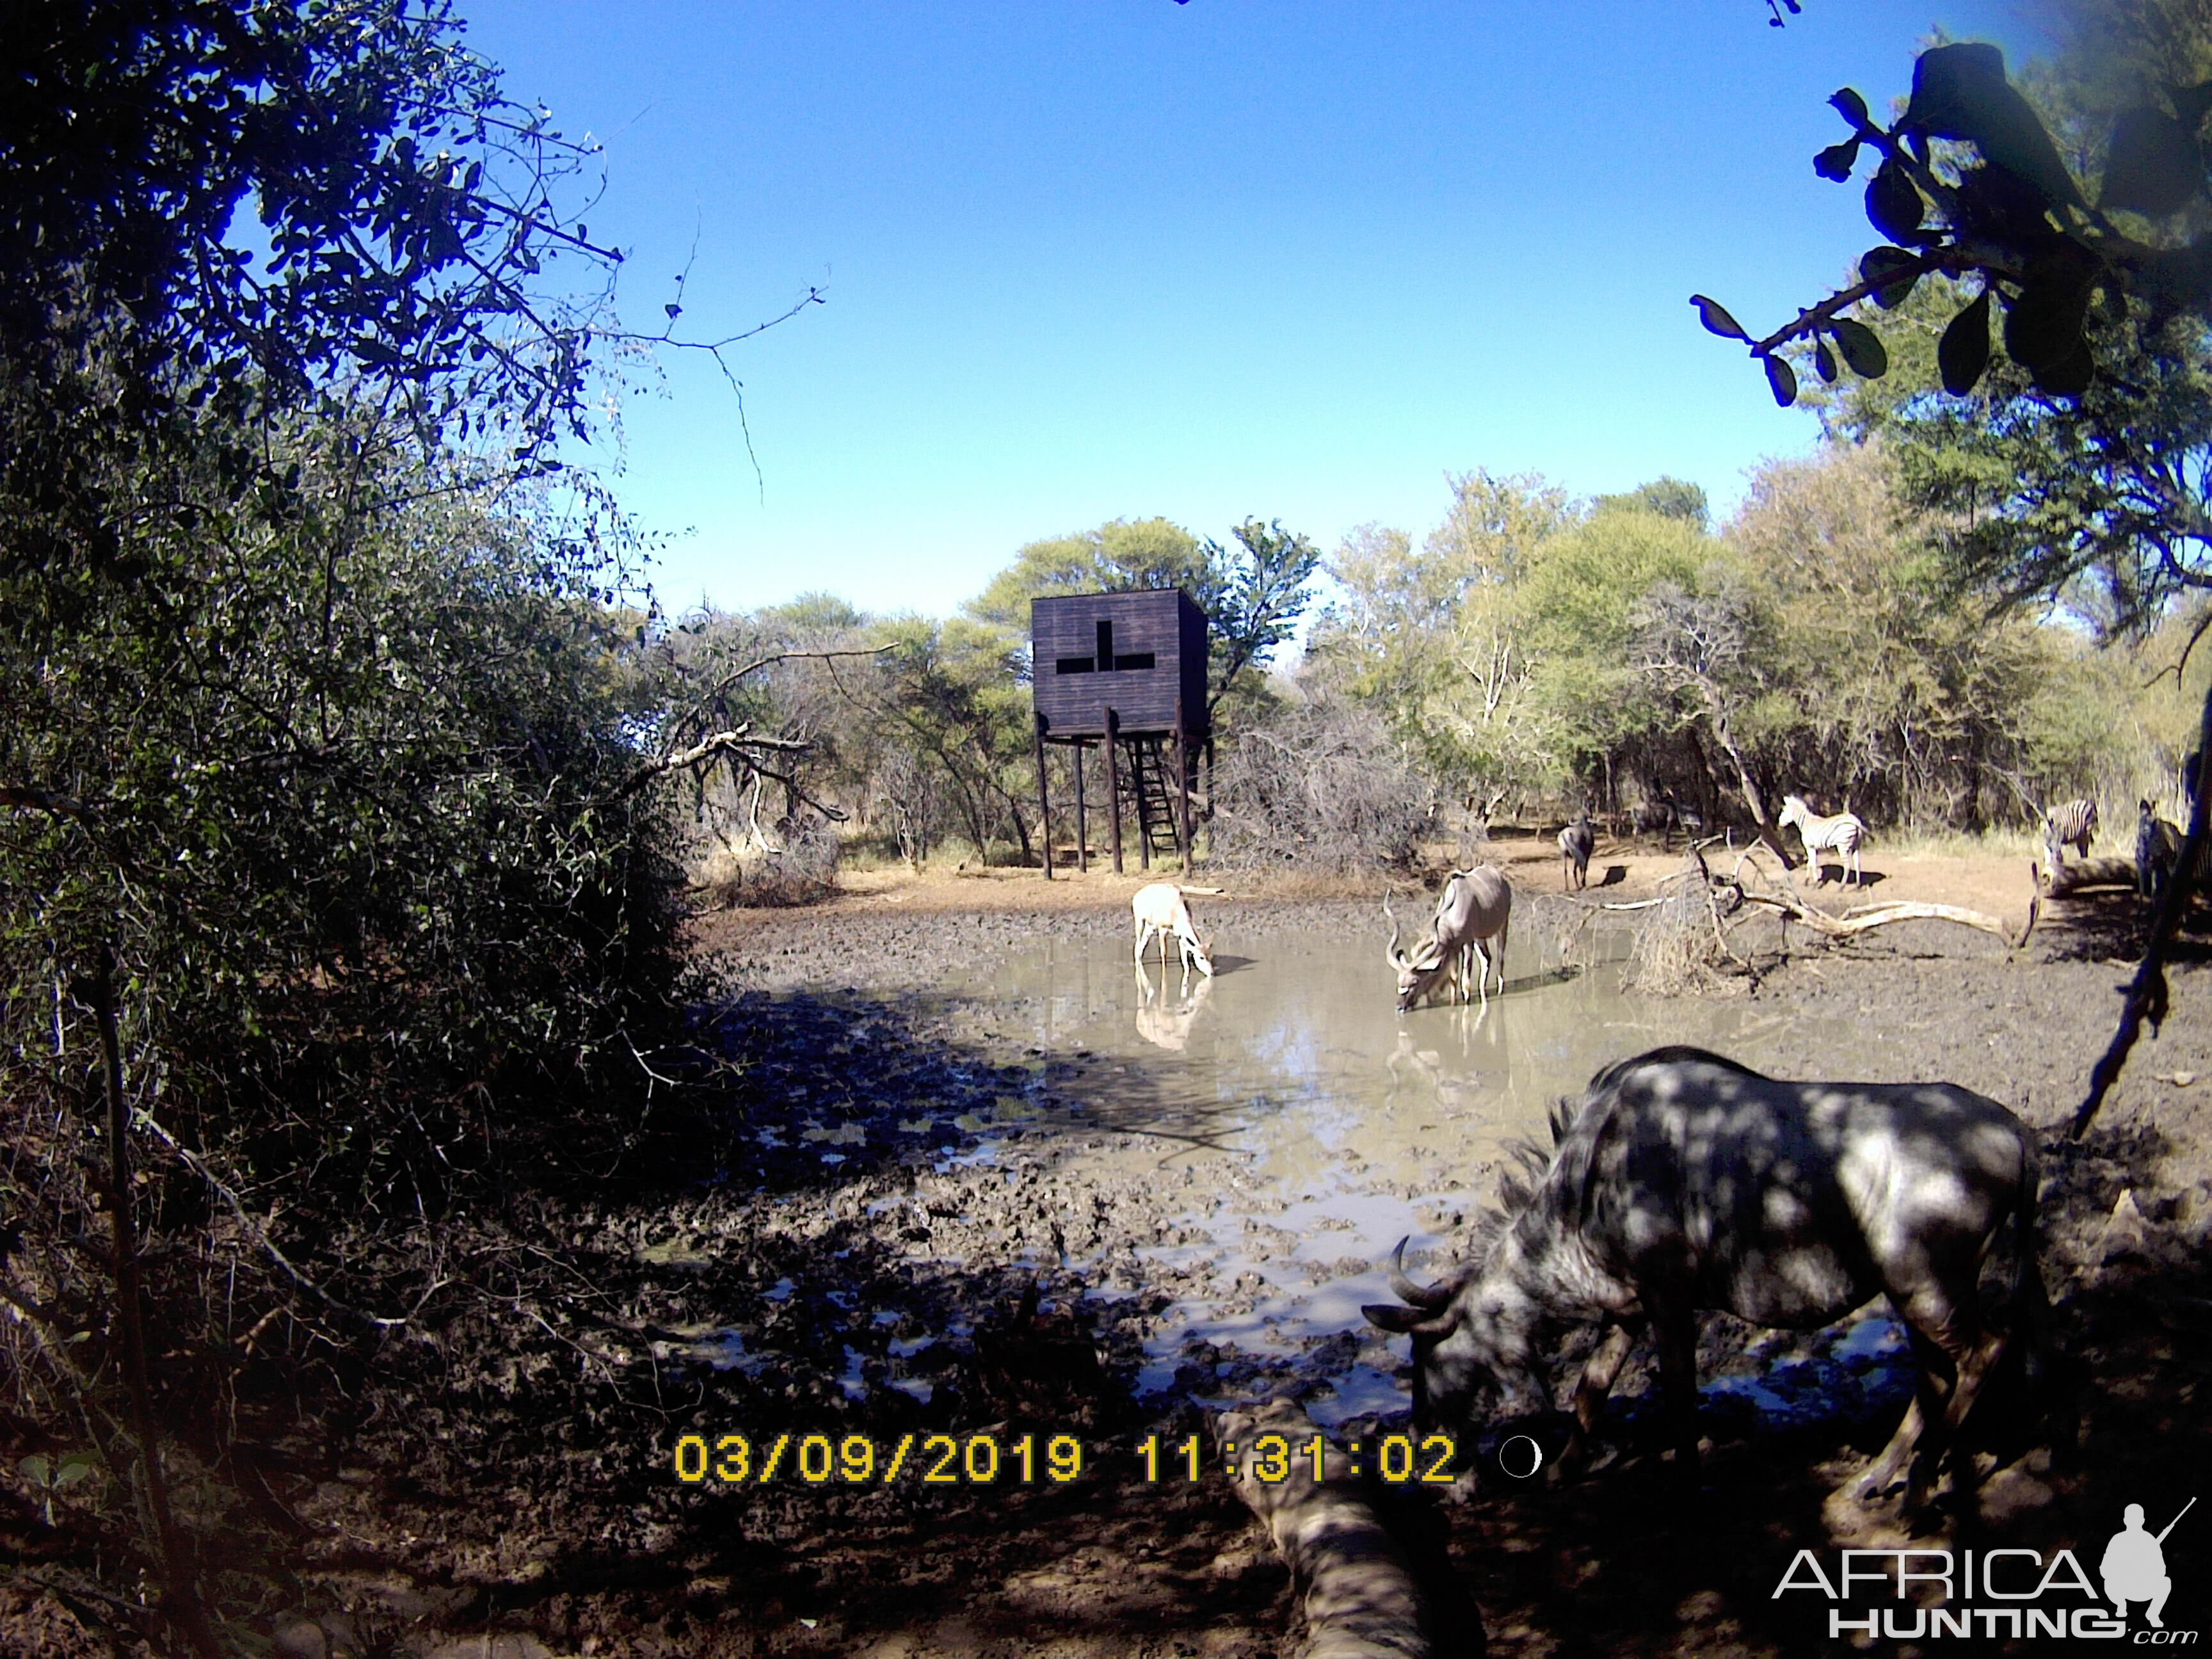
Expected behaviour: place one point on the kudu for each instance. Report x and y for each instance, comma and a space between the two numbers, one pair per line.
1160, 910
1475, 905
1682, 1181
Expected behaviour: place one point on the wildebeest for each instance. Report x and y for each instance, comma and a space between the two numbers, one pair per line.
2074, 824
2158, 849
1576, 843
1840, 834
1160, 910
1475, 905
1683, 1181
2158, 854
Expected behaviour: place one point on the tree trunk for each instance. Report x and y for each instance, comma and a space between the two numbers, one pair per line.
1361, 1599
1716, 718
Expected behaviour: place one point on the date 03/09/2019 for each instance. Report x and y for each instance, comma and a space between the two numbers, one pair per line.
983, 1460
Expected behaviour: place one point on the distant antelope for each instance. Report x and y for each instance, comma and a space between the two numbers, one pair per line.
1576, 843
1159, 910
1840, 834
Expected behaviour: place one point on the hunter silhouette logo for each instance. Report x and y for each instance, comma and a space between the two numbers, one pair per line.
2135, 1565
2013, 1592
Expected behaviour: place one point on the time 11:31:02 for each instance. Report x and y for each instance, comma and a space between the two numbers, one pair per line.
1397, 1458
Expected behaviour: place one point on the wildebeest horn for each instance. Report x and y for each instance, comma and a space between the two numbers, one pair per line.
1430, 1298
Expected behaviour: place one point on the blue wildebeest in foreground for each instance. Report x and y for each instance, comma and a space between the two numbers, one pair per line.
1576, 843
1475, 905
1683, 1181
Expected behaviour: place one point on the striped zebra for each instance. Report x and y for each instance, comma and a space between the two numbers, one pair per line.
1840, 834
2074, 824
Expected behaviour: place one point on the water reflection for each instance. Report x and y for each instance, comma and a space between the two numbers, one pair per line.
1352, 1124
1163, 1018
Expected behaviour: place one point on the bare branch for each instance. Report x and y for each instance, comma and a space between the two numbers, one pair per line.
44, 800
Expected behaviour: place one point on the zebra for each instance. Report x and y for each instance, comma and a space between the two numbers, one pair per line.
1840, 834
2074, 824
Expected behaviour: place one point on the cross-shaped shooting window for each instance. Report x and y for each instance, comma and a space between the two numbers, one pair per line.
1105, 662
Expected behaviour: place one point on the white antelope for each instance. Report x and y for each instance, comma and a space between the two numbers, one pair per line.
1840, 834
1159, 910
1475, 905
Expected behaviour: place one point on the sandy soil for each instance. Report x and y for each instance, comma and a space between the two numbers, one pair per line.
507, 1483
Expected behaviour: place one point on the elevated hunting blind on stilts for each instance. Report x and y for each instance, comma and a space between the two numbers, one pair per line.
1124, 673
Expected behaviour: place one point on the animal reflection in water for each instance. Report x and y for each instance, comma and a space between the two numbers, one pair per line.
1423, 1060
1164, 1018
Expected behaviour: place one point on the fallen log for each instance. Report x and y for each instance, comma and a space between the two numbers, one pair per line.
1362, 1600
2064, 880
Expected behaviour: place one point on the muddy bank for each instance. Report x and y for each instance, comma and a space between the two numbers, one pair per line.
912, 1137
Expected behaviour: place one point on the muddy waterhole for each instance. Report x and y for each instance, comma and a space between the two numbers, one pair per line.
1309, 1126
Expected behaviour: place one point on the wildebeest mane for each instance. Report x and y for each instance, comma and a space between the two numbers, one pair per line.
1530, 1160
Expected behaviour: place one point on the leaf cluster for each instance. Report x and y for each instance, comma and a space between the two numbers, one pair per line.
1969, 182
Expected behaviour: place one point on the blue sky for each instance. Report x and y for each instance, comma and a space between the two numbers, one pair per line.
1271, 257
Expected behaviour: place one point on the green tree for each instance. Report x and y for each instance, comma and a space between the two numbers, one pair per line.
1436, 638
1670, 498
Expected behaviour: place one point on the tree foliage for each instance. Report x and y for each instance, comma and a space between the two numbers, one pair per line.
267, 202
2043, 343
1814, 646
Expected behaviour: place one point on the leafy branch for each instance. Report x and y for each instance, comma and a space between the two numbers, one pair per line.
2014, 217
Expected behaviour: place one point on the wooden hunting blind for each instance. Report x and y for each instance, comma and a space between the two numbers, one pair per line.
1125, 672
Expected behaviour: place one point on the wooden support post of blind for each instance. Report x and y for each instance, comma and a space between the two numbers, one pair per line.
1114, 785
1044, 802
1182, 789
1082, 817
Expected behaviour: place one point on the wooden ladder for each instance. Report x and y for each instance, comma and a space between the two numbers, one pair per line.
1153, 797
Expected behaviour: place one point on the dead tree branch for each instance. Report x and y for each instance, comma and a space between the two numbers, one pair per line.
738, 745
1362, 1600
180, 1594
2146, 992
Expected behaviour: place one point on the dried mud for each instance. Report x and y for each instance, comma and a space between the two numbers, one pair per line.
896, 1166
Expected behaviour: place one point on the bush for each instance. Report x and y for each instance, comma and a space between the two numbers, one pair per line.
1321, 784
